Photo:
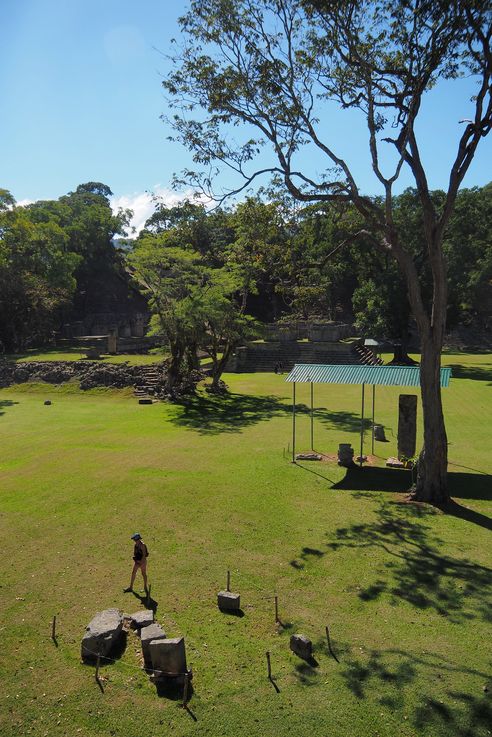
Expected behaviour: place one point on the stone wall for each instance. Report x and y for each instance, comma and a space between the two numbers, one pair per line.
316, 331
89, 373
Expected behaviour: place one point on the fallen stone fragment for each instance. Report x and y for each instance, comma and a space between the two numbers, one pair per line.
301, 646
395, 463
142, 618
308, 457
228, 601
101, 634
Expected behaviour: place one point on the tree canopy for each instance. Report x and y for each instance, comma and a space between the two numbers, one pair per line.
270, 69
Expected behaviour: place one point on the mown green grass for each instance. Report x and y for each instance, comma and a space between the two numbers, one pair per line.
405, 589
75, 354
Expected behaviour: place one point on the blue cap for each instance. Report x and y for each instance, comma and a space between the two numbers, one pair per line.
136, 536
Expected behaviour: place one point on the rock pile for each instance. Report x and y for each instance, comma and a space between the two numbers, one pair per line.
164, 657
91, 374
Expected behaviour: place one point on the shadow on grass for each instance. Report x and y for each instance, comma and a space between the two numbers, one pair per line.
385, 675
172, 689
6, 403
477, 373
415, 568
147, 601
375, 479
33, 353
343, 421
316, 473
229, 413
306, 672
306, 555
239, 613
461, 485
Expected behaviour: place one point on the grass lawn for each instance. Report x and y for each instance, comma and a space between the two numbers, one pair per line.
405, 589
75, 354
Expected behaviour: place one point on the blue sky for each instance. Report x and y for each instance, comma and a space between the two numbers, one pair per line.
80, 85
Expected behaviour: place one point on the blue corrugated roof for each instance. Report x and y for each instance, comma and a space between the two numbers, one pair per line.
357, 374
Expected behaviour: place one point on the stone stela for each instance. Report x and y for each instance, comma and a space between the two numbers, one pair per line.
407, 425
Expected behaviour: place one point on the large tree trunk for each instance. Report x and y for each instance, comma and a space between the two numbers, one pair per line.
431, 484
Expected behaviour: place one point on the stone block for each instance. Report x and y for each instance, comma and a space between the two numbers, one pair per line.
153, 631
142, 619
301, 646
345, 455
228, 601
47, 402
379, 433
101, 634
168, 656
145, 401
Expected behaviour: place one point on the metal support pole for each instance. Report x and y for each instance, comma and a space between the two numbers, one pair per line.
312, 424
362, 426
373, 405
294, 423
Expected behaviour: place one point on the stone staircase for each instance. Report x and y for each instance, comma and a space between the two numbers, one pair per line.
266, 356
147, 382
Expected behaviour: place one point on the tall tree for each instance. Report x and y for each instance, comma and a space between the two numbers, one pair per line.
274, 67
36, 277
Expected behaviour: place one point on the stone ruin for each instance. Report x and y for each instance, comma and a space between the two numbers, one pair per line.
345, 455
164, 657
301, 646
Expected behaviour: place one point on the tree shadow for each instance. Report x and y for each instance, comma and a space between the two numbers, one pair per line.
6, 403
469, 515
306, 555
416, 570
343, 421
306, 672
371, 478
386, 674
211, 415
477, 373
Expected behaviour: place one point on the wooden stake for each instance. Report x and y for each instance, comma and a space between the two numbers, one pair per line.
53, 628
276, 609
269, 666
228, 581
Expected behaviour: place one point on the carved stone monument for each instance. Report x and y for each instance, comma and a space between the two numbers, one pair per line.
407, 425
168, 656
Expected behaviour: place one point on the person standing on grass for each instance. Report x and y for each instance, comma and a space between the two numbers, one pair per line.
140, 554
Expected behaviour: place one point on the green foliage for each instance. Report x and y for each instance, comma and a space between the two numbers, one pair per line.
193, 303
36, 277
50, 252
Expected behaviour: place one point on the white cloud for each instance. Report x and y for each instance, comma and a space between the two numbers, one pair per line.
143, 206
23, 203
